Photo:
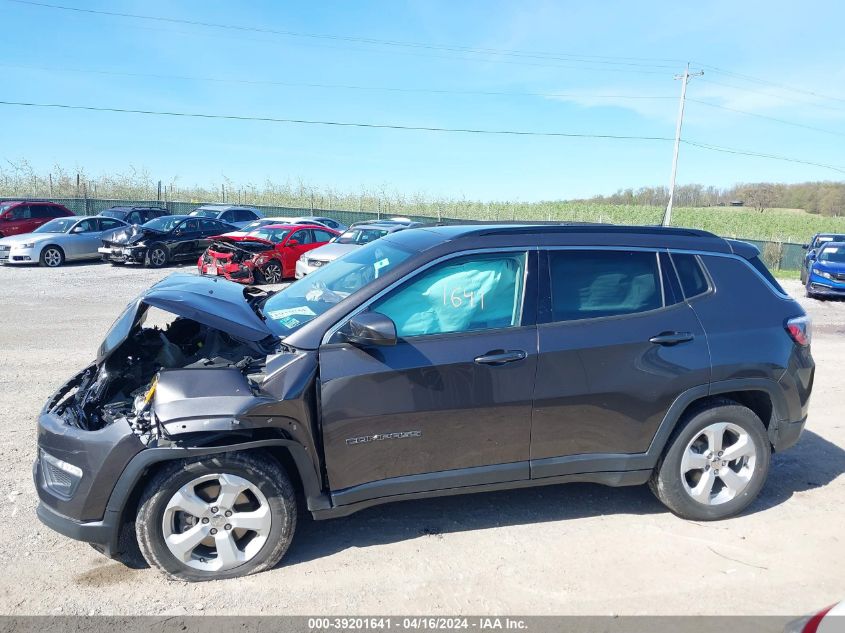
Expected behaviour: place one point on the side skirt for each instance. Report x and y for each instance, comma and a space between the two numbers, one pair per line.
607, 478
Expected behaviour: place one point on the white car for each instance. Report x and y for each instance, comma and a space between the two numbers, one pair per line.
61, 240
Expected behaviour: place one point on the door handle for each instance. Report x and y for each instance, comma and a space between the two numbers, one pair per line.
671, 338
500, 357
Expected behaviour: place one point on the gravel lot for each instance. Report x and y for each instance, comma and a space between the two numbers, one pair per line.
576, 549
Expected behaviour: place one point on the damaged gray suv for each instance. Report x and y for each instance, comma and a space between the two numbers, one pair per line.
433, 361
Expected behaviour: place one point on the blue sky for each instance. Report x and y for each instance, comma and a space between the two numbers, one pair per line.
599, 48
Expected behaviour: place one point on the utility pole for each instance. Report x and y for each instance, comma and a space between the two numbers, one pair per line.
667, 216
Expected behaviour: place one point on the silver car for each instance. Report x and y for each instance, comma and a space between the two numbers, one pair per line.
59, 241
351, 239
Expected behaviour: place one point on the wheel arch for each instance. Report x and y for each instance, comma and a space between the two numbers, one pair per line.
761, 395
291, 455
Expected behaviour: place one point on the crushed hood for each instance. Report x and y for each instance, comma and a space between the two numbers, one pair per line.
133, 234
214, 302
249, 244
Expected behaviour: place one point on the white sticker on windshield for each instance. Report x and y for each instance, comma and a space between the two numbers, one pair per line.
380, 264
831, 250
278, 315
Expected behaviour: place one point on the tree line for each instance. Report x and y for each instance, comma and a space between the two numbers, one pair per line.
824, 198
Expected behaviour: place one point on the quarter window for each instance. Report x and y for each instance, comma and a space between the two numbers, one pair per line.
478, 292
591, 284
692, 277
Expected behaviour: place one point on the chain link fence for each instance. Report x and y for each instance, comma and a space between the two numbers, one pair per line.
777, 255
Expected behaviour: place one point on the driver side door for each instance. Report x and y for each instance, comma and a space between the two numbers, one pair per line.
449, 405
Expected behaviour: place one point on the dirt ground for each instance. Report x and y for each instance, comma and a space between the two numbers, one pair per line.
576, 549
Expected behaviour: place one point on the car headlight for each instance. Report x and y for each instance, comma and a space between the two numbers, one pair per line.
60, 477
27, 245
824, 273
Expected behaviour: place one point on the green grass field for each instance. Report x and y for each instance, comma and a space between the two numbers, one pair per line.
780, 225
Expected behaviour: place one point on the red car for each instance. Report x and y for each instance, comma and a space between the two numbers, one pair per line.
266, 255
24, 216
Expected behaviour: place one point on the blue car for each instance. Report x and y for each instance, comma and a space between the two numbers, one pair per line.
826, 271
819, 240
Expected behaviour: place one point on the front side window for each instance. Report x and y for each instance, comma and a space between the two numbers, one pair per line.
476, 292
20, 213
591, 284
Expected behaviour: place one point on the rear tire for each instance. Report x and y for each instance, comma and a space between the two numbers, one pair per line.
696, 477
221, 516
51, 256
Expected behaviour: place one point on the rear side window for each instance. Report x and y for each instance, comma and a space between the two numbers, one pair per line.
692, 277
761, 268
243, 215
590, 284
44, 211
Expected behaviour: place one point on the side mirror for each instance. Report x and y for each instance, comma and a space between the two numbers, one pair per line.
370, 328
805, 246
177, 232
292, 243
811, 255
78, 229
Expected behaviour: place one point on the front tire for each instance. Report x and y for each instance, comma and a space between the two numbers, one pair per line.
715, 465
157, 256
272, 272
52, 256
216, 517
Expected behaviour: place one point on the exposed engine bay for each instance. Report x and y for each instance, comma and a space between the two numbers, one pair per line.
122, 385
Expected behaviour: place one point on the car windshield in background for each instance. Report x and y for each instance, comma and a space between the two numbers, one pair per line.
360, 236
59, 225
271, 235
164, 223
204, 214
833, 254
291, 308
114, 214
824, 239
254, 225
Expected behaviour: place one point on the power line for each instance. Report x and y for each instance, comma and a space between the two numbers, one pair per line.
742, 152
400, 89
767, 118
774, 96
592, 59
775, 84
705, 146
387, 126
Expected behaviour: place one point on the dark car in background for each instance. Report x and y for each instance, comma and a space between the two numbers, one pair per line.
432, 361
164, 240
234, 215
134, 215
819, 240
266, 255
24, 216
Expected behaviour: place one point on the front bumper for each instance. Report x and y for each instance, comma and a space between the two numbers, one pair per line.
103, 535
240, 273
17, 255
122, 254
823, 286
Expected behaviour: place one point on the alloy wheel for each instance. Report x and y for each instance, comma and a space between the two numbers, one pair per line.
158, 257
718, 463
216, 522
272, 273
52, 257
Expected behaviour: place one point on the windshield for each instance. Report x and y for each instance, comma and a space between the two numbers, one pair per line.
360, 236
113, 214
165, 223
291, 308
59, 225
833, 254
823, 239
203, 213
8, 205
271, 235
255, 225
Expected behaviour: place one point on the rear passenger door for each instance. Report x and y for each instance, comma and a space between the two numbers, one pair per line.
617, 345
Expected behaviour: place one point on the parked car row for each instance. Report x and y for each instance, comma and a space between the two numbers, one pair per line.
47, 233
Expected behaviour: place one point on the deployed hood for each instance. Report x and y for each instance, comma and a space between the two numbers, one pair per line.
216, 303
133, 234
332, 251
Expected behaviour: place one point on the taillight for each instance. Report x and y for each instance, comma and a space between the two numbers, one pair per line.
800, 329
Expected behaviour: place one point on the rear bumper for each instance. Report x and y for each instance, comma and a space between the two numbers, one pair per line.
787, 434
